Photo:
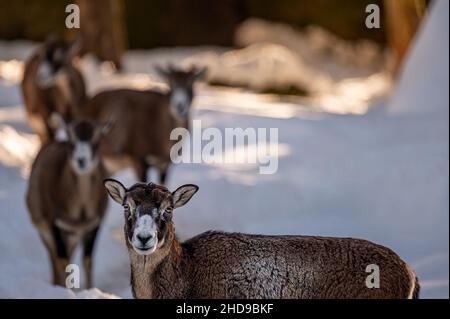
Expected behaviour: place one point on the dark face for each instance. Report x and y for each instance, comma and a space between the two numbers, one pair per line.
181, 89
57, 55
148, 212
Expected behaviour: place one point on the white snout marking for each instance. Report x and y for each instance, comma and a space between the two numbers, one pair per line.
179, 102
82, 158
145, 228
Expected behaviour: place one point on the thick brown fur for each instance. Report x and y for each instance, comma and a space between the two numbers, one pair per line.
143, 123
234, 265
142, 126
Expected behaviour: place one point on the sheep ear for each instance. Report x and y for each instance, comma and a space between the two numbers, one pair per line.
102, 129
107, 126
183, 194
60, 126
115, 189
72, 137
56, 122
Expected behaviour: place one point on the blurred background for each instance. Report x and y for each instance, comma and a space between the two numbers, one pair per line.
362, 116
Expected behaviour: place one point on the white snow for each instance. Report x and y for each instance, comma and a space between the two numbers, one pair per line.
376, 175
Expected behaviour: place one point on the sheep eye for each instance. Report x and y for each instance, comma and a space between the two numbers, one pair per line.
127, 209
128, 214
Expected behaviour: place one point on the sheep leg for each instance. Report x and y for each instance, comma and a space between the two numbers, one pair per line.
88, 246
48, 240
61, 259
141, 167
50, 135
163, 174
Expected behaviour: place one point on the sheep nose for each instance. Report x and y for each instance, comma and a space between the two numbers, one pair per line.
182, 110
81, 162
144, 239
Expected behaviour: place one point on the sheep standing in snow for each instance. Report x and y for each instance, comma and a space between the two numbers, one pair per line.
233, 265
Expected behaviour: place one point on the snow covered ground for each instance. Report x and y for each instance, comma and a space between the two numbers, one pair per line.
380, 175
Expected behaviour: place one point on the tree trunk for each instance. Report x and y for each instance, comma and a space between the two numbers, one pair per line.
102, 29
